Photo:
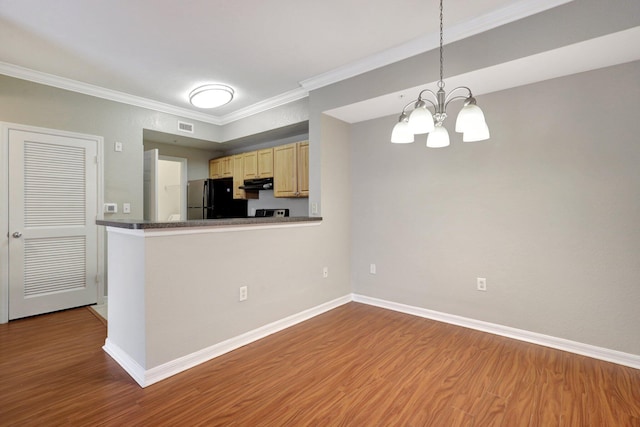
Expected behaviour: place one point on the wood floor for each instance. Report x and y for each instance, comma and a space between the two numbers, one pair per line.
353, 366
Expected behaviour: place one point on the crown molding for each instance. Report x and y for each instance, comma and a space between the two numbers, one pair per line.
101, 92
267, 104
137, 101
425, 43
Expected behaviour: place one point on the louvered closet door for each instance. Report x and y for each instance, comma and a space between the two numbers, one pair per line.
52, 231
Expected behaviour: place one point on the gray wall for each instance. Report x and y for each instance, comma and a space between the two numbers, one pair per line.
39, 105
547, 210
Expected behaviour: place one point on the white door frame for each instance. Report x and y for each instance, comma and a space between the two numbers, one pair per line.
4, 207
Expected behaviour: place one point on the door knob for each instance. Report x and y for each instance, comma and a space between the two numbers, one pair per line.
17, 234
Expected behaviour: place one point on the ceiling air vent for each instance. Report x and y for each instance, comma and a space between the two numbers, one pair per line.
185, 127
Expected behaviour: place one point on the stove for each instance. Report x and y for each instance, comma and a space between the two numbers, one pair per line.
272, 212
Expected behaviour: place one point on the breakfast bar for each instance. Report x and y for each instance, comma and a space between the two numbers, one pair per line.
174, 287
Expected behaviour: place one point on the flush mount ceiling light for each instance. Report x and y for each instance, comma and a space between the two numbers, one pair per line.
211, 96
470, 121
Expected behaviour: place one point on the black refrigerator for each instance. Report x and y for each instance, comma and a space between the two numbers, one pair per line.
213, 199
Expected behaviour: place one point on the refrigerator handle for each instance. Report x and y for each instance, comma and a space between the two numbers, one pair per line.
205, 192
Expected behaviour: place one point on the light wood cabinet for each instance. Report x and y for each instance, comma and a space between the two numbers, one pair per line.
238, 179
303, 169
265, 163
250, 164
221, 167
226, 168
291, 170
215, 169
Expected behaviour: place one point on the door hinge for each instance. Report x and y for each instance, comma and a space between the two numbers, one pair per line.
95, 160
97, 278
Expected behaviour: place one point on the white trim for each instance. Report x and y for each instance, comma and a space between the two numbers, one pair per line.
267, 104
161, 372
127, 363
138, 101
101, 92
4, 222
621, 358
100, 215
173, 367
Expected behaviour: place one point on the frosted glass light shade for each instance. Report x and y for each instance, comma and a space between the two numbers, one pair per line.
211, 96
421, 121
401, 133
469, 117
478, 133
438, 138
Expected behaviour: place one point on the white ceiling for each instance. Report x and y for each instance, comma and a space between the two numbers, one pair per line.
154, 52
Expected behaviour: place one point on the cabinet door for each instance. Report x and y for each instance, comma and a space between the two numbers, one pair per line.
250, 165
285, 175
215, 168
265, 163
303, 169
226, 169
238, 177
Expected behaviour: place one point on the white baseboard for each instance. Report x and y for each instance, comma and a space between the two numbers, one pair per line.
128, 364
159, 373
147, 377
588, 350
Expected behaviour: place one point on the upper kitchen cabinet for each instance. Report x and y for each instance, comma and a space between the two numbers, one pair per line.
238, 179
215, 167
303, 169
265, 163
258, 164
250, 164
221, 168
291, 170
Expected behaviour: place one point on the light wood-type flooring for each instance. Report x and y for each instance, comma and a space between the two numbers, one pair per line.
353, 366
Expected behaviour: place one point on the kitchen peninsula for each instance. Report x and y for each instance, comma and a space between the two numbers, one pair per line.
174, 287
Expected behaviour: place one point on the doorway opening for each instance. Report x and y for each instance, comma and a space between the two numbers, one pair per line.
165, 187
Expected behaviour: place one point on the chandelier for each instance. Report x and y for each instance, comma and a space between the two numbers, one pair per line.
470, 121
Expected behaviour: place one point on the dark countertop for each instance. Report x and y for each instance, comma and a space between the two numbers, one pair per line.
139, 224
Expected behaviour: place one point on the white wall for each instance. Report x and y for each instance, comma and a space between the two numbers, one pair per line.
169, 189
547, 210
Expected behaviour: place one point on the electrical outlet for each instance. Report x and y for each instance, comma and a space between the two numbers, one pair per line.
244, 293
325, 272
372, 268
117, 147
126, 208
314, 208
481, 284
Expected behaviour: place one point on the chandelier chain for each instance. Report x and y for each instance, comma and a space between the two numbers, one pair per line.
441, 50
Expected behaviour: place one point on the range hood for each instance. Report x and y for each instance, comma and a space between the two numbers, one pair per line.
257, 184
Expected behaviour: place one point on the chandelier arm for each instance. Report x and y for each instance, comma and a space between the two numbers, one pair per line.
446, 104
404, 109
429, 91
435, 107
449, 96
